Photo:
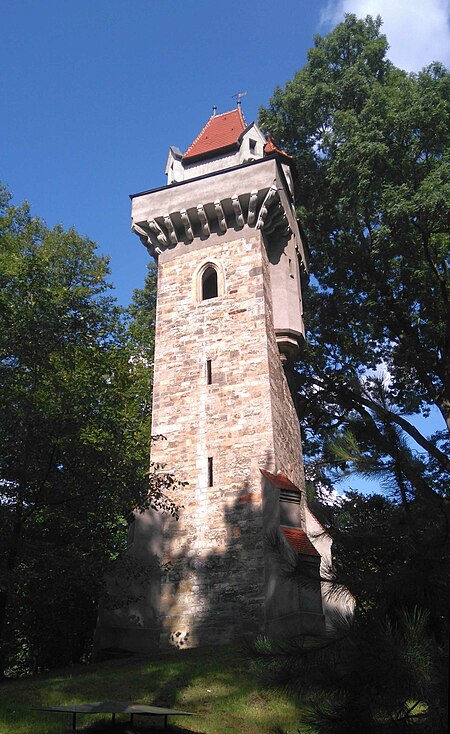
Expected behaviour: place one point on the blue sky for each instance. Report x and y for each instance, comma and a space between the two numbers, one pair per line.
94, 92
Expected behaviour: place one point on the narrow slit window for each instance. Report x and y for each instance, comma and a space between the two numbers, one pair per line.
209, 284
210, 471
208, 372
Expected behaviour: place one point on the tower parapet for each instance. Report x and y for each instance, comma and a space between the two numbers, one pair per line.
245, 183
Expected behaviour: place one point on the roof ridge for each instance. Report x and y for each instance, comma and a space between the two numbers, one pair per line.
242, 115
215, 127
200, 134
220, 114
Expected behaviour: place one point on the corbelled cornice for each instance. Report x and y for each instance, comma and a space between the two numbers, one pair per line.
255, 196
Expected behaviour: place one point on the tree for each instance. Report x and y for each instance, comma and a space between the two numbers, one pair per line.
376, 669
371, 149
74, 436
370, 145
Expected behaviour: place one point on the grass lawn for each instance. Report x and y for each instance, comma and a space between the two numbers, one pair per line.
215, 683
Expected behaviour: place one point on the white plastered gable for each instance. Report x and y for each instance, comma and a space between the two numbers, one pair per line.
174, 166
252, 144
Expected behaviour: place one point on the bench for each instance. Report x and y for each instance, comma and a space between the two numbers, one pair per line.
113, 708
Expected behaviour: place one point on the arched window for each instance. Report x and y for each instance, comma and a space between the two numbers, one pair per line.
209, 284
208, 281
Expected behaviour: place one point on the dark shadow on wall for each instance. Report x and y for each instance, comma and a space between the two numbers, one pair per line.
198, 598
215, 597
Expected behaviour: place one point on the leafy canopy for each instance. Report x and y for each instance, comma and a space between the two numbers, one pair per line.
370, 144
371, 150
75, 384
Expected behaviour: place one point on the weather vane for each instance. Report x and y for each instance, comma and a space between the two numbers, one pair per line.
238, 96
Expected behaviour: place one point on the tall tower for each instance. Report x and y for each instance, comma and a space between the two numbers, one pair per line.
229, 323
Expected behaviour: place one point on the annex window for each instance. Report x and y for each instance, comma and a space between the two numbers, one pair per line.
209, 283
289, 508
208, 372
252, 146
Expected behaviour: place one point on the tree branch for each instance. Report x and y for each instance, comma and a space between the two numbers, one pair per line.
406, 426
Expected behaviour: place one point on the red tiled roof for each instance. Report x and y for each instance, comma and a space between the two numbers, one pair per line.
299, 541
221, 131
270, 147
280, 480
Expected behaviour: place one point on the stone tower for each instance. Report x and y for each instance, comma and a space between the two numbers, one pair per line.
229, 323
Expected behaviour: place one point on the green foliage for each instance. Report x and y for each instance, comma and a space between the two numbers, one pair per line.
391, 655
75, 385
367, 675
371, 150
371, 147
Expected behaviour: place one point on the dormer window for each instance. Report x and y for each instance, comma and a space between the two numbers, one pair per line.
209, 283
251, 145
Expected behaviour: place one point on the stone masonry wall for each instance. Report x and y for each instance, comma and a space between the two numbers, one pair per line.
285, 424
215, 581
213, 587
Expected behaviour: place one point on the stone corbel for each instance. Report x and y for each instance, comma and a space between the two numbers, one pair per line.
252, 207
170, 229
237, 210
220, 216
273, 218
142, 234
203, 220
186, 224
276, 219
156, 229
265, 207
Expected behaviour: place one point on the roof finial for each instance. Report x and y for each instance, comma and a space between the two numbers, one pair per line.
214, 110
238, 97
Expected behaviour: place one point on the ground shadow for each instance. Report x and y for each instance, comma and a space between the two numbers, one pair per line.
138, 727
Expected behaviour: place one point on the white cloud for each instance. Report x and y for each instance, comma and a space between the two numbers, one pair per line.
418, 32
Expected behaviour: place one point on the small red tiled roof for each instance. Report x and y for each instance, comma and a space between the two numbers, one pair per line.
299, 541
280, 480
270, 147
221, 131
